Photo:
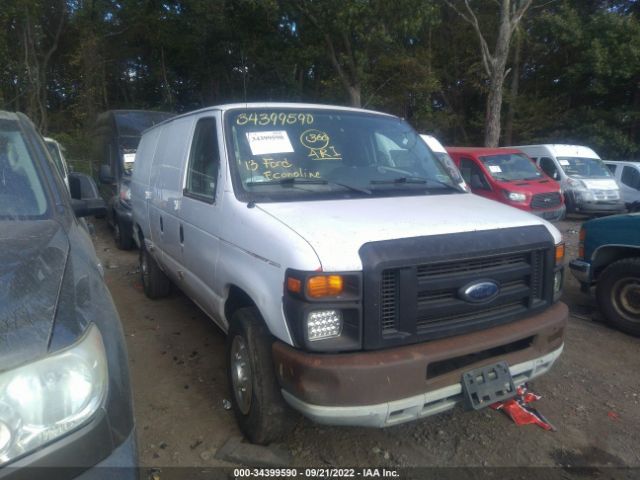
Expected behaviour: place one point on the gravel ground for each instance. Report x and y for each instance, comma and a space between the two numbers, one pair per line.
592, 395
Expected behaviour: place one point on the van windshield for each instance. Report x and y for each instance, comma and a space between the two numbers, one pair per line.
510, 167
584, 167
293, 154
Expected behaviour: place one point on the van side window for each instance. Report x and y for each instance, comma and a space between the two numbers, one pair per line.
549, 167
473, 175
631, 177
204, 161
612, 168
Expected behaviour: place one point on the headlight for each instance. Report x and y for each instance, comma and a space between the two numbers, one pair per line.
515, 196
125, 193
324, 324
46, 399
576, 184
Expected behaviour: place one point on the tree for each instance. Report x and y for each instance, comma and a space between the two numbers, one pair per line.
495, 63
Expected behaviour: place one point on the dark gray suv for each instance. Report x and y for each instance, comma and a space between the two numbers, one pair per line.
65, 396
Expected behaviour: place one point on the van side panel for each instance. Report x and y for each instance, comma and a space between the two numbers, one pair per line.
166, 192
140, 179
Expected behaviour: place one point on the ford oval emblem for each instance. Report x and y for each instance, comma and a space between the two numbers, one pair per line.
479, 291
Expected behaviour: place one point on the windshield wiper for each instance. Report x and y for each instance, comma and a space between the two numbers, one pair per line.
309, 181
415, 180
289, 181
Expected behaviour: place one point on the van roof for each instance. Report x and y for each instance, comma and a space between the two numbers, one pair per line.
483, 150
248, 105
623, 162
563, 150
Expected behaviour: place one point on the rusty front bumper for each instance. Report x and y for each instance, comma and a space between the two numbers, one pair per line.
391, 386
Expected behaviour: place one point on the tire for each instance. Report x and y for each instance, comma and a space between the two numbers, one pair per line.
260, 410
154, 281
123, 240
618, 294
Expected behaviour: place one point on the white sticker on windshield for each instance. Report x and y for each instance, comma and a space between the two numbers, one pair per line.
129, 157
495, 169
564, 162
263, 143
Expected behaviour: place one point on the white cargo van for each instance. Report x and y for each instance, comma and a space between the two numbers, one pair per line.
587, 184
356, 281
627, 174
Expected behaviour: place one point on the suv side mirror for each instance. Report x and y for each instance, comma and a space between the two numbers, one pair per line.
89, 207
82, 187
105, 175
85, 199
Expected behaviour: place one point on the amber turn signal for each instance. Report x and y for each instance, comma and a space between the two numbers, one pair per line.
583, 235
559, 253
325, 286
294, 285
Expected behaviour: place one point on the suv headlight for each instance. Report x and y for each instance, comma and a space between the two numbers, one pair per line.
48, 398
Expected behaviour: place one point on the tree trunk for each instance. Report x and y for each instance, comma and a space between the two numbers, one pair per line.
355, 96
513, 92
492, 120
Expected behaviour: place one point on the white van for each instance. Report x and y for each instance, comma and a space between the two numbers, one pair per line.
587, 184
627, 174
356, 281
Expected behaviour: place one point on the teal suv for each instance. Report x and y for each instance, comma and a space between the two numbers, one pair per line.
609, 258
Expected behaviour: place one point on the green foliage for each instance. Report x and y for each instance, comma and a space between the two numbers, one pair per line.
579, 73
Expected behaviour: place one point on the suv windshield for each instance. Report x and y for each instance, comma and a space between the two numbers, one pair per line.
287, 154
584, 167
21, 192
511, 166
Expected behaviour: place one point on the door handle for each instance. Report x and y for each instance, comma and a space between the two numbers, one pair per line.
181, 234
161, 225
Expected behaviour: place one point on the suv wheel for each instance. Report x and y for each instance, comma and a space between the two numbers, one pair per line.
257, 403
123, 241
618, 293
155, 282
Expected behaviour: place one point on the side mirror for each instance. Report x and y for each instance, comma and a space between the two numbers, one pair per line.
89, 207
85, 199
82, 187
105, 175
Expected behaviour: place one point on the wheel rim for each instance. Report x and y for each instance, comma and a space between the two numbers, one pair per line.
626, 296
241, 376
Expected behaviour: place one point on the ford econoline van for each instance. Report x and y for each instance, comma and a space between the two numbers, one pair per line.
356, 281
587, 184
507, 175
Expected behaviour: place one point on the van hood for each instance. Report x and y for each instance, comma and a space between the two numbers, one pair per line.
33, 255
336, 229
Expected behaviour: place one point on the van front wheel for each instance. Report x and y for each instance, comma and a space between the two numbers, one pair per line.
155, 282
257, 403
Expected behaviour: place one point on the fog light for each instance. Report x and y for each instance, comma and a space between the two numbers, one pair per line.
324, 324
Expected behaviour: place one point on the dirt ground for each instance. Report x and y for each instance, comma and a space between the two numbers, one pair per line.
592, 395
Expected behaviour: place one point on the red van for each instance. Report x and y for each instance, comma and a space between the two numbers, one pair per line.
507, 175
